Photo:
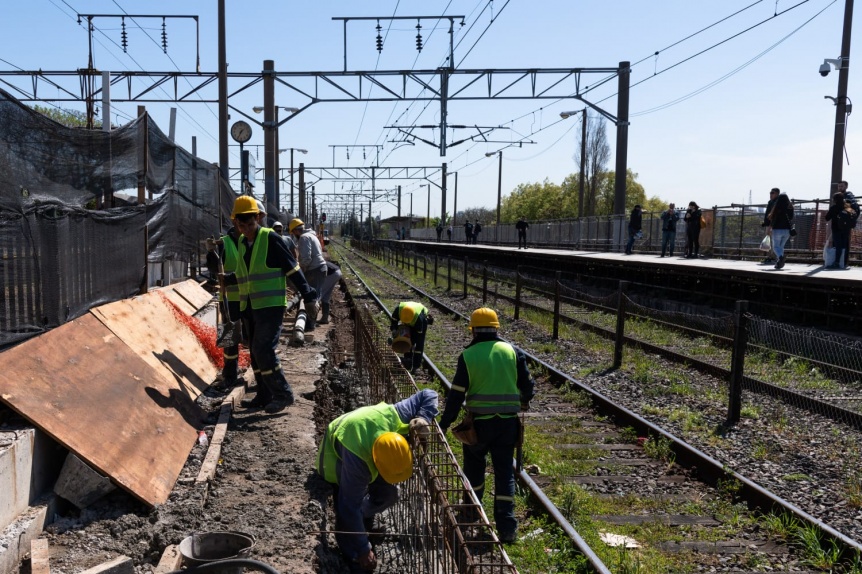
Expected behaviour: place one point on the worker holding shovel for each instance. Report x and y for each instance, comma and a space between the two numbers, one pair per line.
222, 255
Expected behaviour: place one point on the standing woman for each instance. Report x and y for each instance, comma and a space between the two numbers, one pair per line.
781, 220
692, 230
840, 230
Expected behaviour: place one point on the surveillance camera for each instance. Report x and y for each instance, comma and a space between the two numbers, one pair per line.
824, 69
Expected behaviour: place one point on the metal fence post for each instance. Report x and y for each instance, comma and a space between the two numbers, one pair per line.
737, 361
415, 264
466, 264
424, 267
484, 282
449, 273
557, 284
435, 270
621, 324
517, 292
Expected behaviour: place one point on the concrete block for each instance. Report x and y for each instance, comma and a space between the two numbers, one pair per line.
15, 539
16, 464
119, 565
80, 484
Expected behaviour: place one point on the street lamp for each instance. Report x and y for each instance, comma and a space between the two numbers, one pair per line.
581, 183
427, 205
499, 191
271, 151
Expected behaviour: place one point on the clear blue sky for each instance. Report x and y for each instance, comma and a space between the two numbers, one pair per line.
744, 113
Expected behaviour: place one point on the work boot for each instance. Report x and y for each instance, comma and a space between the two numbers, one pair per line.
324, 320
281, 393
508, 537
257, 402
279, 403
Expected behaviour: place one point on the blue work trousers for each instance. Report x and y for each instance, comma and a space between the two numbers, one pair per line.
263, 327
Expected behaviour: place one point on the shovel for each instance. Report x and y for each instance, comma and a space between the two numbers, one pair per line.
229, 333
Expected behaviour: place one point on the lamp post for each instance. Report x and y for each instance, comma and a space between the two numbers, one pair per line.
842, 107
270, 153
499, 191
427, 205
581, 183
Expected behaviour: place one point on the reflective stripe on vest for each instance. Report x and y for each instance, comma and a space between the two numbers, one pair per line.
417, 309
356, 431
493, 370
231, 255
262, 285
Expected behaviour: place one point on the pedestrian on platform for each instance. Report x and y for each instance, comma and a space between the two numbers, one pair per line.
311, 261
781, 222
668, 229
449, 233
263, 264
493, 382
468, 232
364, 454
635, 225
692, 230
773, 197
477, 229
841, 215
522, 227
439, 230
850, 198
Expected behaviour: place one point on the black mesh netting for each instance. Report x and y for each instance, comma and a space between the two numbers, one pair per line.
72, 234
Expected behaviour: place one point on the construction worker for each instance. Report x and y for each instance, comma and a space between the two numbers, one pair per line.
226, 250
263, 264
311, 261
417, 317
333, 276
364, 454
492, 376
278, 227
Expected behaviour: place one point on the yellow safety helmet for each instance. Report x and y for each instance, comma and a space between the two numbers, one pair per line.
244, 204
484, 317
407, 315
294, 223
393, 457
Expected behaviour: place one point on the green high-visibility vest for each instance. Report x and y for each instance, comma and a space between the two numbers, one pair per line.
356, 431
263, 286
416, 307
231, 255
493, 370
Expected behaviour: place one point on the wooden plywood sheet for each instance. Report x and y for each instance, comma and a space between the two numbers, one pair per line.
192, 292
93, 394
149, 327
178, 300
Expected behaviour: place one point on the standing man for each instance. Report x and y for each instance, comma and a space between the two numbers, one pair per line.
635, 224
477, 229
364, 454
264, 262
226, 251
522, 226
854, 205
449, 233
468, 232
417, 317
668, 229
493, 378
773, 196
439, 230
311, 261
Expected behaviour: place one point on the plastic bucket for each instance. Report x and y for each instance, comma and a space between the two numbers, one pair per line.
207, 547
401, 343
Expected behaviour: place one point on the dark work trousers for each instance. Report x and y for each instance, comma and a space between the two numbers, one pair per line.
417, 338
668, 238
522, 238
841, 243
263, 327
231, 354
498, 437
693, 247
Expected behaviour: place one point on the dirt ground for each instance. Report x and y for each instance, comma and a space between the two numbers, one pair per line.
265, 484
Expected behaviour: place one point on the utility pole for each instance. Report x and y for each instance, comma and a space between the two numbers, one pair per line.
624, 77
841, 100
583, 162
223, 157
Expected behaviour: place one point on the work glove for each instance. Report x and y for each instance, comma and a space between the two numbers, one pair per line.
430, 319
525, 406
310, 297
419, 427
368, 561
211, 244
229, 278
389, 341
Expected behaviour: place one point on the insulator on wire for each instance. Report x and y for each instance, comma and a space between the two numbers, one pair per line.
124, 36
379, 37
418, 36
363, 153
164, 37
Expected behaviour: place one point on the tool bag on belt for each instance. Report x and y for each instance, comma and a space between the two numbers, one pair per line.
465, 432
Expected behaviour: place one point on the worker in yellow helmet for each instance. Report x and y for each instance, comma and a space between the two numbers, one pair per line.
417, 317
264, 262
494, 384
364, 454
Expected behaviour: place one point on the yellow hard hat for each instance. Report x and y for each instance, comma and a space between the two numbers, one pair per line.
244, 204
407, 315
294, 223
393, 457
484, 317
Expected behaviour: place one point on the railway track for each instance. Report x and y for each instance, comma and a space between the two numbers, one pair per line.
604, 471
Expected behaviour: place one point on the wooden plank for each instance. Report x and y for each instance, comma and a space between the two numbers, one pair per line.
191, 291
94, 395
210, 463
119, 565
178, 300
39, 557
171, 560
148, 326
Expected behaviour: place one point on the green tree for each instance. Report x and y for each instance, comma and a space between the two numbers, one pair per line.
598, 153
534, 201
69, 118
635, 193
